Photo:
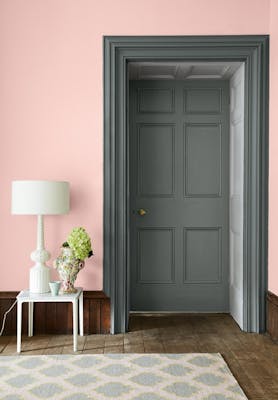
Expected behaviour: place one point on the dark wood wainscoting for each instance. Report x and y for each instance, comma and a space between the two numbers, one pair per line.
272, 315
56, 318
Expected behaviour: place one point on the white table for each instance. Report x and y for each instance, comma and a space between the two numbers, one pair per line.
26, 297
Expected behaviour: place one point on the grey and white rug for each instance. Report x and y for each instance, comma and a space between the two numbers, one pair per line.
118, 376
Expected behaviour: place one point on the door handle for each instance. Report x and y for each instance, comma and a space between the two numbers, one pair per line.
141, 212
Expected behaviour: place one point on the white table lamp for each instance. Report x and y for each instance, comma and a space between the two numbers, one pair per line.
40, 198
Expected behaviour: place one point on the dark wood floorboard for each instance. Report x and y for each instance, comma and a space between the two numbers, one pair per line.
252, 358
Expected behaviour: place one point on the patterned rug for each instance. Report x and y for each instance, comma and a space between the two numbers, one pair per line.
118, 376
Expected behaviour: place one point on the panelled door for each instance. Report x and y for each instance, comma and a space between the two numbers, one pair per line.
179, 183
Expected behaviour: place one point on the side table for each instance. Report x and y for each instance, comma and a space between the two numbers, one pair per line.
26, 297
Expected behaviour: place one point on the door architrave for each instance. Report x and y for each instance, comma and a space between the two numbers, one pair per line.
253, 50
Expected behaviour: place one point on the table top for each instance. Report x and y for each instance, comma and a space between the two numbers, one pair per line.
25, 295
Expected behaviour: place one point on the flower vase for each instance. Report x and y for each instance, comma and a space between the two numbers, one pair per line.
68, 267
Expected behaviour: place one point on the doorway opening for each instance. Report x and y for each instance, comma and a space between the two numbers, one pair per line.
252, 51
186, 157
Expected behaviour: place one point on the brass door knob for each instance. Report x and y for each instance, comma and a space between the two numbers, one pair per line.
141, 212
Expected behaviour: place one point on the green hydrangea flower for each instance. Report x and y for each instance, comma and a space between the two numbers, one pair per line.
80, 243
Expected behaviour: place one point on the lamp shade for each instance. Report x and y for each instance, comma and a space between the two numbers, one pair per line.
40, 197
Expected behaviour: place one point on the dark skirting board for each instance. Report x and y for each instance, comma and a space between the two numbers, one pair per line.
272, 315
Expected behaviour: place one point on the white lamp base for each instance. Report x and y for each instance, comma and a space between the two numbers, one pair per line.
40, 273
39, 279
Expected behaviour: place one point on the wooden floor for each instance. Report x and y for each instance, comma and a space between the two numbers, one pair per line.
252, 358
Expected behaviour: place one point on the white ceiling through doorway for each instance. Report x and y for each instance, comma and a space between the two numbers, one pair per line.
181, 70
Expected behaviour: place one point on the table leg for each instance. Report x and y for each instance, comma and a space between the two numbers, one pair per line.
81, 325
75, 323
19, 322
30, 318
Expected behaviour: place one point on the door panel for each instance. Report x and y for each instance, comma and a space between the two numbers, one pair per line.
178, 173
155, 100
202, 263
203, 163
199, 101
155, 160
155, 247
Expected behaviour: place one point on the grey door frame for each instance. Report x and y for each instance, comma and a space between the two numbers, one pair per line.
253, 50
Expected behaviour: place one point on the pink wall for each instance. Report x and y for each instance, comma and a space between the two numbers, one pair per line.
273, 150
51, 105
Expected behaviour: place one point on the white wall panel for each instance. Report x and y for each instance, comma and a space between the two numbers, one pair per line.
236, 193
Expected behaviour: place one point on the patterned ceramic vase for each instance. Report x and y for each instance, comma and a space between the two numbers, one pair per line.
68, 267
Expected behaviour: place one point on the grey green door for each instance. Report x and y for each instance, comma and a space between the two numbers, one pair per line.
178, 175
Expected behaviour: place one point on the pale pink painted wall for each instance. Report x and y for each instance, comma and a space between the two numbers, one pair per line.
273, 150
51, 105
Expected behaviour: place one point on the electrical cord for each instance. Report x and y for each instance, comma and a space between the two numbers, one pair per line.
5, 316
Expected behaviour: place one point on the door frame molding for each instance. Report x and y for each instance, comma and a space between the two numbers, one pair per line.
253, 50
